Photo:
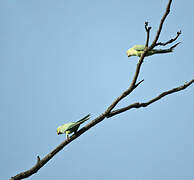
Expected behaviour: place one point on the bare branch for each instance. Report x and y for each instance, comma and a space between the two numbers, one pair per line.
161, 25
170, 41
139, 105
147, 28
131, 87
41, 162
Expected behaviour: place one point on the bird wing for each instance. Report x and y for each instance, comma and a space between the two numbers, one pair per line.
139, 47
71, 126
77, 123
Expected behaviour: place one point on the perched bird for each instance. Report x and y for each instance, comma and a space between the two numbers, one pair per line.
71, 127
138, 50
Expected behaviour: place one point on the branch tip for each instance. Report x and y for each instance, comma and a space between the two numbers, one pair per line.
38, 159
154, 43
147, 28
179, 32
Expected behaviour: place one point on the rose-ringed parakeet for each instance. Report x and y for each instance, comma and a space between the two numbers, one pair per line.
138, 50
71, 127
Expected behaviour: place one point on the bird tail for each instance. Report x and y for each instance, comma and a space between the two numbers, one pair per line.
171, 49
83, 119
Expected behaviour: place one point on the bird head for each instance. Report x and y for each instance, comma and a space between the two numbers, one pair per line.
59, 131
129, 53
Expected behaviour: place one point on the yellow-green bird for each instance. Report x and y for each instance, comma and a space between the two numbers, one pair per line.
71, 127
138, 50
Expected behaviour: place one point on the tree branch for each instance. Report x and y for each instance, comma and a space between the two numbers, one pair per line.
161, 25
139, 105
108, 112
132, 86
43, 161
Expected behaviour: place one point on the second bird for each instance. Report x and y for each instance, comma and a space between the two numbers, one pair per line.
71, 127
138, 50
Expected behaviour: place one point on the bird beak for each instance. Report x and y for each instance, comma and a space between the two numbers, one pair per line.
128, 54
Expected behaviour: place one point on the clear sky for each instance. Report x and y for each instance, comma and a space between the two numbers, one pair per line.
60, 60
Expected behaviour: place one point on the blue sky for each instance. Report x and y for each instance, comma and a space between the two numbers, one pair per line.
61, 60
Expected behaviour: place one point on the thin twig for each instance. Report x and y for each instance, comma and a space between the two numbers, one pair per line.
147, 28
139, 83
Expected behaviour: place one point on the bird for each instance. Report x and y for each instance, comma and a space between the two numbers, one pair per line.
71, 127
138, 50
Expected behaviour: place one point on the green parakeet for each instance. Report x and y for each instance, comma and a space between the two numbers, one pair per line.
71, 127
137, 50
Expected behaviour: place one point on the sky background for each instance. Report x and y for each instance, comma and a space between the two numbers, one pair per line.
61, 60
